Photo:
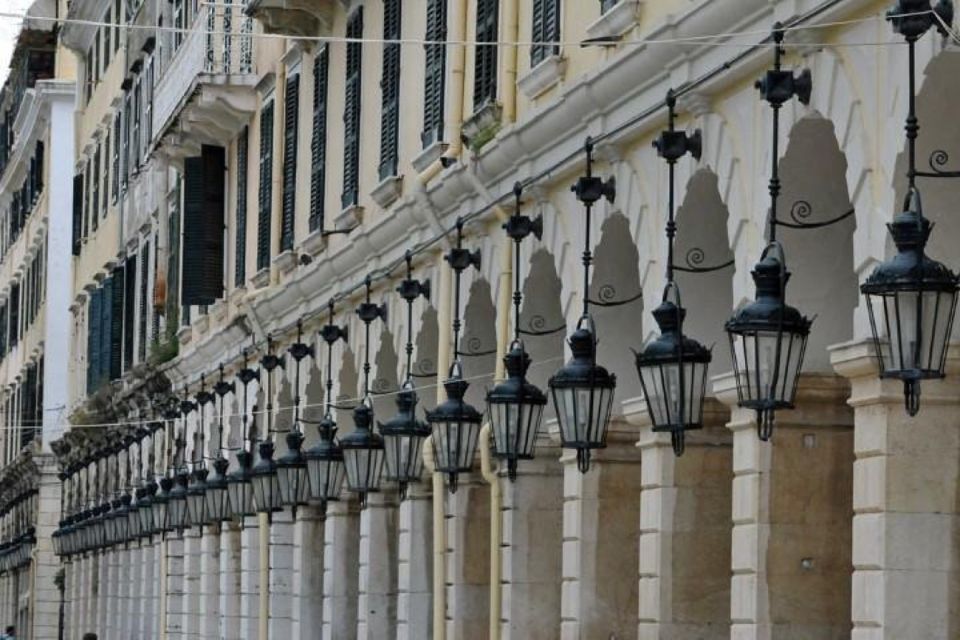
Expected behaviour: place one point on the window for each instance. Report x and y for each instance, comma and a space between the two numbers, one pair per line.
129, 310
291, 117
318, 143
485, 63
240, 250
606, 5
435, 81
145, 293
95, 177
115, 172
265, 190
351, 112
390, 88
14, 314
118, 18
107, 47
147, 106
125, 156
77, 212
546, 28
203, 222
106, 175
135, 139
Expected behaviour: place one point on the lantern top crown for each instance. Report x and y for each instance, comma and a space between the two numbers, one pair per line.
405, 420
769, 312
363, 436
671, 343
582, 368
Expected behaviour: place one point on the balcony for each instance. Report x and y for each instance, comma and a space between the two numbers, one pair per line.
207, 90
302, 18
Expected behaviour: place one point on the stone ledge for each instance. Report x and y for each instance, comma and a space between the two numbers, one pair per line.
616, 21
545, 75
387, 192
429, 155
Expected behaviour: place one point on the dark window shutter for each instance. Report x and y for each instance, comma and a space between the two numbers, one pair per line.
318, 144
77, 212
3, 330
265, 190
203, 207
39, 168
435, 72
115, 160
129, 309
144, 294
240, 257
14, 313
606, 5
390, 91
116, 323
95, 201
485, 63
106, 174
351, 112
546, 28
106, 318
291, 118
93, 340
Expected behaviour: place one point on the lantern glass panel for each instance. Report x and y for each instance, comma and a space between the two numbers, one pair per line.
762, 381
456, 444
241, 497
364, 468
583, 414
326, 477
266, 492
662, 389
895, 318
515, 426
404, 456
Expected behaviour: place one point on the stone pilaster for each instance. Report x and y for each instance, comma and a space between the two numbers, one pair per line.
130, 584
45, 603
192, 557
250, 578
531, 548
340, 559
791, 503
377, 582
468, 558
685, 502
230, 562
601, 509
149, 575
308, 573
176, 604
209, 600
281, 575
415, 564
103, 611
906, 503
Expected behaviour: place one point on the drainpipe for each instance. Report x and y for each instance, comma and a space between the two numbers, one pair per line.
496, 528
439, 542
508, 81
163, 244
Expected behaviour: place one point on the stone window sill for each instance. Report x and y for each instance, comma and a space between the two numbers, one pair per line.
616, 21
429, 155
545, 75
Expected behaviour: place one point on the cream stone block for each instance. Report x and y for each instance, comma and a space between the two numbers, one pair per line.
746, 498
872, 441
571, 519
650, 599
868, 541
748, 547
572, 482
748, 452
869, 484
650, 544
743, 598
868, 598
657, 507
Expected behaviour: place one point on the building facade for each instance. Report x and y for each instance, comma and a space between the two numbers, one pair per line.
247, 175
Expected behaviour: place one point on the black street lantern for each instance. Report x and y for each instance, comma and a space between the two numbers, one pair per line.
145, 509
454, 424
768, 337
263, 477
403, 437
133, 516
911, 301
515, 406
292, 472
161, 506
673, 367
196, 498
362, 447
911, 298
218, 502
121, 519
240, 487
583, 390
363, 453
177, 512
403, 434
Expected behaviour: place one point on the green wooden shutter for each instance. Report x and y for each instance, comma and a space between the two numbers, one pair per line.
291, 117
318, 143
203, 216
106, 329
77, 212
240, 250
14, 313
94, 317
116, 323
351, 112
435, 72
265, 191
144, 295
390, 91
95, 201
485, 60
129, 310
546, 28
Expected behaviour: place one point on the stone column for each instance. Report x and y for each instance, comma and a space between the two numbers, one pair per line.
906, 502
308, 573
531, 548
176, 603
250, 579
791, 507
104, 604
601, 509
281, 575
45, 604
230, 562
192, 557
685, 507
340, 559
209, 600
377, 581
149, 574
415, 564
468, 558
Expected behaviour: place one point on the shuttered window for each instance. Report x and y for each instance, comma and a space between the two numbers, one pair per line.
351, 112
105, 203
240, 250
88, 181
291, 118
93, 340
129, 310
3, 330
115, 344
546, 28
144, 295
203, 222
435, 72
95, 201
77, 212
125, 156
14, 313
390, 88
318, 143
606, 5
485, 63
115, 160
265, 191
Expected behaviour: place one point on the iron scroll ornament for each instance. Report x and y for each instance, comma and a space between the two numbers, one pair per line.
937, 161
